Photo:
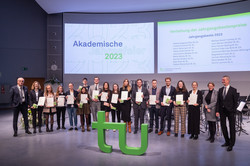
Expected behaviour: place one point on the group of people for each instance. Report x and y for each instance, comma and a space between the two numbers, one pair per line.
87, 100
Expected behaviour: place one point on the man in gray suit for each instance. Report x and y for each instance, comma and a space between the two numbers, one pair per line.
139, 107
95, 104
19, 101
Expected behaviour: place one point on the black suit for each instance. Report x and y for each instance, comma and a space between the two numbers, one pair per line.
139, 109
19, 106
227, 108
34, 100
166, 111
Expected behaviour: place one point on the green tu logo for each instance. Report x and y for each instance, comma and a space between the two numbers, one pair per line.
101, 125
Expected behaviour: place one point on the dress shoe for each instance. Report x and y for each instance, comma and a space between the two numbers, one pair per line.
176, 135
209, 139
156, 131
28, 132
47, 129
34, 131
76, 128
40, 130
182, 135
58, 128
63, 128
168, 133
71, 128
225, 145
191, 137
229, 148
83, 129
15, 134
160, 132
135, 132
196, 137
150, 130
212, 140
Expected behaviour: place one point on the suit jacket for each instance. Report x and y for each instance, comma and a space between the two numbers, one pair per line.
92, 88
163, 92
157, 97
230, 101
145, 99
212, 106
15, 98
33, 96
75, 95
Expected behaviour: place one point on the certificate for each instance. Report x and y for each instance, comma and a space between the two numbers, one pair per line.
70, 99
84, 98
241, 106
124, 95
166, 100
179, 99
61, 101
192, 99
95, 94
104, 96
138, 97
50, 102
41, 101
114, 98
152, 99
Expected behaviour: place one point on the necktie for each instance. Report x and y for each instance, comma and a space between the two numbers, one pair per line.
224, 92
95, 86
22, 94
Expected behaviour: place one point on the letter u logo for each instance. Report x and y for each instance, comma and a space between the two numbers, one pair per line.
101, 125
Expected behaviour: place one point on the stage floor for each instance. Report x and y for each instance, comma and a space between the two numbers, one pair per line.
69, 148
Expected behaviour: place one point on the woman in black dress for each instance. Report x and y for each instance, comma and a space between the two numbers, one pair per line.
194, 112
125, 105
115, 106
60, 110
105, 104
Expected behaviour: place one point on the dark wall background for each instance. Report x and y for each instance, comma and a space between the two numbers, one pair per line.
22, 40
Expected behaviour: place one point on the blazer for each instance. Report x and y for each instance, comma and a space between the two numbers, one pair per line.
163, 92
33, 96
92, 88
145, 99
212, 106
230, 101
158, 106
199, 97
75, 95
15, 98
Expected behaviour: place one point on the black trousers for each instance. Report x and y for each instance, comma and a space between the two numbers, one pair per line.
118, 114
166, 114
212, 128
23, 109
231, 118
139, 114
154, 115
60, 111
194, 120
39, 110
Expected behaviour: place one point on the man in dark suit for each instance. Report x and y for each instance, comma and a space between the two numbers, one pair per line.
166, 110
226, 108
19, 102
139, 107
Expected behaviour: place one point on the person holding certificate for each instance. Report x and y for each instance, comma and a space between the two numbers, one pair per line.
71, 96
209, 102
166, 99
94, 91
35, 93
60, 108
19, 99
194, 105
154, 106
114, 104
139, 97
49, 107
125, 104
105, 100
226, 106
83, 102
179, 99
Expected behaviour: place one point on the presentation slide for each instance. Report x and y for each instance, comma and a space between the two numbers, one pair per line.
109, 48
213, 44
